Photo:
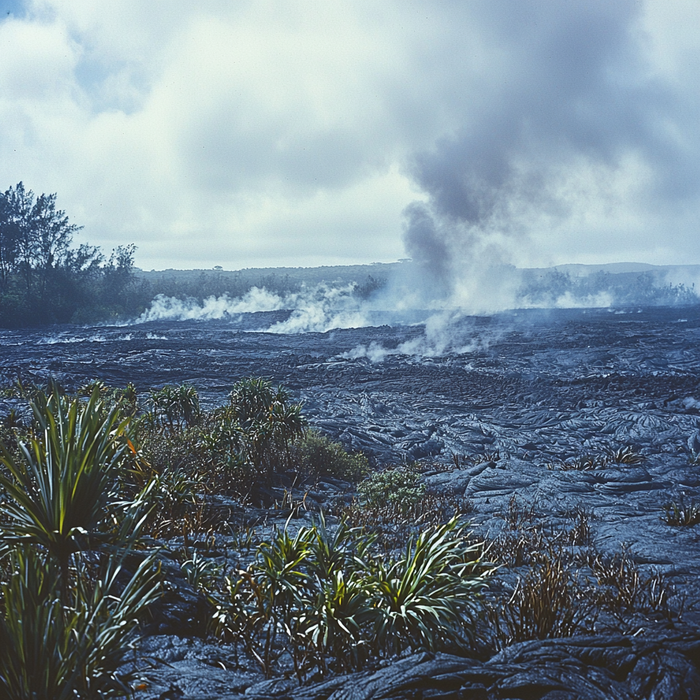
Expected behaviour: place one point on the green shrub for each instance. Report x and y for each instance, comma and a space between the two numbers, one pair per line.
427, 598
67, 617
64, 492
331, 600
317, 455
399, 486
269, 423
175, 407
58, 648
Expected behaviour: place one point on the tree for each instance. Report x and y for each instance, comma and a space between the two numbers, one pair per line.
50, 232
44, 277
268, 420
118, 275
15, 213
49, 236
35, 238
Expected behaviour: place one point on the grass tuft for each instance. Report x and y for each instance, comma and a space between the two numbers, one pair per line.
682, 514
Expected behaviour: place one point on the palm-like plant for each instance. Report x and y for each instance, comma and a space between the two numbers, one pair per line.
337, 603
64, 491
188, 404
265, 598
177, 405
267, 419
281, 572
340, 549
427, 597
66, 618
334, 620
74, 647
252, 398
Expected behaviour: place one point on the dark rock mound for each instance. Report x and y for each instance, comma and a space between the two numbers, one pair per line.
663, 665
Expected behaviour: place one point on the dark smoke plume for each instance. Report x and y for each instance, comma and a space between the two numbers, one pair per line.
572, 94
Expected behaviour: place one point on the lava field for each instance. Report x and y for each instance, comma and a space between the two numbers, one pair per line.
511, 406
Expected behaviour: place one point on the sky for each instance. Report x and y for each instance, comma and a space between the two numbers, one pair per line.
261, 133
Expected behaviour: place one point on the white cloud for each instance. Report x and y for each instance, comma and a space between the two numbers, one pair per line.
283, 131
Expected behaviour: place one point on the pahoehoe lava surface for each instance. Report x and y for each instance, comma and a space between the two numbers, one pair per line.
533, 384
536, 387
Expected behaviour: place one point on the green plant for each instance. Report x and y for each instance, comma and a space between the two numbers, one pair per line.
333, 624
317, 455
89, 387
337, 608
428, 597
173, 503
128, 399
623, 455
339, 549
262, 601
199, 571
175, 407
64, 647
682, 514
400, 486
335, 601
393, 523
69, 613
68, 619
268, 422
12, 420
64, 492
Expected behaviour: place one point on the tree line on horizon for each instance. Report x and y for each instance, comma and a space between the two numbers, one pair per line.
45, 278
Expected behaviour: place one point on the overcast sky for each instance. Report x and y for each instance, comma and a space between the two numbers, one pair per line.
307, 132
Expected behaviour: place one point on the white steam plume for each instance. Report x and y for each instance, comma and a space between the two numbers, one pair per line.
314, 309
445, 333
212, 308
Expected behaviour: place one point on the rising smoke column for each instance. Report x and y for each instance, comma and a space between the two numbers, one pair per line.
572, 121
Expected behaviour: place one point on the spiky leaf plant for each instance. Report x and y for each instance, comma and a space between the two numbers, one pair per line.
546, 603
681, 513
337, 549
334, 621
336, 601
63, 494
426, 599
175, 407
396, 486
268, 421
55, 649
336, 612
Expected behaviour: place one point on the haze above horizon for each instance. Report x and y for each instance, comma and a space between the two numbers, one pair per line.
298, 133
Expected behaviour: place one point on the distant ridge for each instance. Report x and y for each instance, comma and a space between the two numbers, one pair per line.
335, 273
623, 268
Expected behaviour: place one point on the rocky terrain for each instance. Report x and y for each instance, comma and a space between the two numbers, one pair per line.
536, 415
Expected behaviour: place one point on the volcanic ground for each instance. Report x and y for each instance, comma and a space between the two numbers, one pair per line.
509, 402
